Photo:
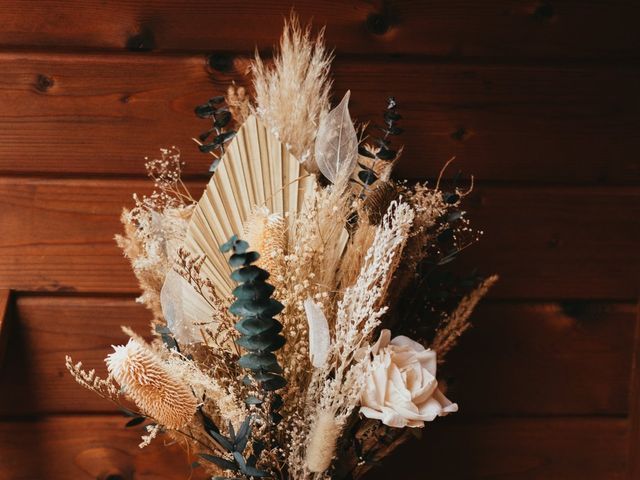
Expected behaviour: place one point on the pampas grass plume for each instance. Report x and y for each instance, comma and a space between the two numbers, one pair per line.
322, 442
150, 385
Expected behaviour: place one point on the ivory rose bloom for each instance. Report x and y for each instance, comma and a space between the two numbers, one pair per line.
401, 389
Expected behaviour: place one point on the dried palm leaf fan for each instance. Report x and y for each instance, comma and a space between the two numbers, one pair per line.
256, 171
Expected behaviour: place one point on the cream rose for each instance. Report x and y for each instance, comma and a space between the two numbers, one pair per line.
401, 388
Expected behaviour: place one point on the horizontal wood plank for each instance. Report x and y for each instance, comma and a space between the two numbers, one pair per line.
544, 242
91, 448
451, 29
522, 449
530, 359
95, 447
5, 322
102, 114
568, 358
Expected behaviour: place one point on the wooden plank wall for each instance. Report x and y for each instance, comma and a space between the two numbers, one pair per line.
538, 98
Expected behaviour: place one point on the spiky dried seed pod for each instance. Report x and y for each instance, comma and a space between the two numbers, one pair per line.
378, 201
150, 385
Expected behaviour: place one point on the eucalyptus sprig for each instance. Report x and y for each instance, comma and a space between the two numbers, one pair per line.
259, 331
385, 151
220, 115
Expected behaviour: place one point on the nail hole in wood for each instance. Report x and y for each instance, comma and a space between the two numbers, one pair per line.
43, 83
377, 24
221, 62
143, 41
460, 134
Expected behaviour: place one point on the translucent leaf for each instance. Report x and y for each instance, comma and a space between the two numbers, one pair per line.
319, 339
336, 147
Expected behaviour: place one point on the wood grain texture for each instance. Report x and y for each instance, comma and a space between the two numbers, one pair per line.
526, 359
451, 29
102, 114
5, 322
91, 448
544, 242
634, 403
94, 447
523, 449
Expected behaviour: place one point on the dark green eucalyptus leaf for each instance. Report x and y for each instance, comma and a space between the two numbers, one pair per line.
451, 198
240, 461
135, 421
244, 432
253, 400
228, 245
254, 472
260, 361
240, 246
276, 401
222, 440
273, 384
266, 341
243, 259
216, 100
391, 116
221, 462
249, 274
265, 307
232, 432
253, 291
256, 325
386, 154
394, 130
362, 150
204, 111
368, 177
222, 118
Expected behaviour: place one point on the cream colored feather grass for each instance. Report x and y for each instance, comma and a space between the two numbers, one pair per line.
256, 171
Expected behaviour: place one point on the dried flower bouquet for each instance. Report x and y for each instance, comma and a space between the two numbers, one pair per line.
275, 295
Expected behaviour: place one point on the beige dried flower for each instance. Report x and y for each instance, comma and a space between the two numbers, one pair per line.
322, 442
458, 321
150, 385
267, 234
401, 388
293, 95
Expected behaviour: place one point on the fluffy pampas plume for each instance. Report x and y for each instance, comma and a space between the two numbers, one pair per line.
293, 96
150, 385
322, 442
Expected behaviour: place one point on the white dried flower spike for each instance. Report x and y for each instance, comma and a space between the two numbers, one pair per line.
150, 385
401, 389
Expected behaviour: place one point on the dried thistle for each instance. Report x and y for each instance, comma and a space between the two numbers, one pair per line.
150, 385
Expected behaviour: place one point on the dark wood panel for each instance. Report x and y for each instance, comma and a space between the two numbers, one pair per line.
531, 359
102, 114
634, 401
555, 358
523, 449
544, 242
91, 448
79, 447
497, 28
